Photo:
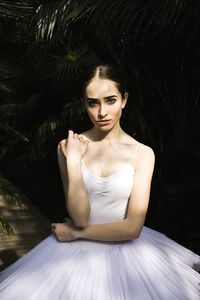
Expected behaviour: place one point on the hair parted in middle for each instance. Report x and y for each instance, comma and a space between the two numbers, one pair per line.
105, 71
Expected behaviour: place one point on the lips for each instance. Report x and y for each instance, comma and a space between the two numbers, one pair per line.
104, 122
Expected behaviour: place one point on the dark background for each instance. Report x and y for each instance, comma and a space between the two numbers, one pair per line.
45, 47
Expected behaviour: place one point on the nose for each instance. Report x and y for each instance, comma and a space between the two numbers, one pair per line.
102, 112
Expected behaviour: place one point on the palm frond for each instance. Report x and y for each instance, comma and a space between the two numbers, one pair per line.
13, 133
54, 18
9, 138
15, 9
5, 226
140, 19
9, 72
67, 67
11, 194
72, 111
5, 88
43, 137
8, 112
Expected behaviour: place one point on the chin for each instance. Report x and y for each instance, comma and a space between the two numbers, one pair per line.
105, 128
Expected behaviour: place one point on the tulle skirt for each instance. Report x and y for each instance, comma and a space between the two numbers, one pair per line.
150, 267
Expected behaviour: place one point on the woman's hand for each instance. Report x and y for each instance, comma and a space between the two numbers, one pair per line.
74, 147
65, 232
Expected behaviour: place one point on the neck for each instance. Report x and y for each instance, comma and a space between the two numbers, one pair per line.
107, 136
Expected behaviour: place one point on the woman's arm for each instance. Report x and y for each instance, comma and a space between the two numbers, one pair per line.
70, 153
128, 228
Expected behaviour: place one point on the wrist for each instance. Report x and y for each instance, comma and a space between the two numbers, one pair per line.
73, 163
79, 234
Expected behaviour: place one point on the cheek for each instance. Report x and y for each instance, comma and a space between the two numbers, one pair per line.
117, 110
91, 112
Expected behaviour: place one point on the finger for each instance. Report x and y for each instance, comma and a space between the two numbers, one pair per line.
70, 134
81, 138
76, 135
62, 145
53, 226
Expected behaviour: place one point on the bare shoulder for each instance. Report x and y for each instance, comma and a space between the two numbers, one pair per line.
145, 157
144, 150
86, 135
61, 149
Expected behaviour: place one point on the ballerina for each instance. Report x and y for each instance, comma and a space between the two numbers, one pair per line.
104, 251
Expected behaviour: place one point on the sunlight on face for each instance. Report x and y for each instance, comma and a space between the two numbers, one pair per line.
104, 103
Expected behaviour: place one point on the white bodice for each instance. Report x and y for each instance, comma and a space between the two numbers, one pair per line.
108, 198
109, 195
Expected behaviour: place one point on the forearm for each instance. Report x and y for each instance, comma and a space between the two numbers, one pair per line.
77, 198
116, 231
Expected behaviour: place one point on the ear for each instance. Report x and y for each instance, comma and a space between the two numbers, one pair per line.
124, 100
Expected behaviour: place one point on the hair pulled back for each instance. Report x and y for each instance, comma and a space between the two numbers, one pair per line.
105, 71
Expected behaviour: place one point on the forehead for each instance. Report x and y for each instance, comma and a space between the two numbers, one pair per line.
101, 88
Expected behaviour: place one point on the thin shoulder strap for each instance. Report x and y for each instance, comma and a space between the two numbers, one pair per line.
134, 152
135, 149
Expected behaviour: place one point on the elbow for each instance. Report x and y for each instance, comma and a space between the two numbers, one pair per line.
134, 234
81, 223
80, 219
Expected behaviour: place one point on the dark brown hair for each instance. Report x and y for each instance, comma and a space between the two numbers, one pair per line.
105, 71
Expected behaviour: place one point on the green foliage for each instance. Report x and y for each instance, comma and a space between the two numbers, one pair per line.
15, 9
140, 20
46, 51
11, 194
5, 227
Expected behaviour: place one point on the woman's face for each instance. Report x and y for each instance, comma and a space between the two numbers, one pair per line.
104, 103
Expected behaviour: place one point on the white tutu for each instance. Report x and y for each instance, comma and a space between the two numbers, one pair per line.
152, 267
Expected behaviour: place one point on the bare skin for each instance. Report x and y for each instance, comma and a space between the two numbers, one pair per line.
104, 149
70, 154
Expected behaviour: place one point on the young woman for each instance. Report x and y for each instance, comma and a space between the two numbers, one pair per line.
104, 251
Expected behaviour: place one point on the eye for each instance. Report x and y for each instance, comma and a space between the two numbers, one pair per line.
111, 100
92, 103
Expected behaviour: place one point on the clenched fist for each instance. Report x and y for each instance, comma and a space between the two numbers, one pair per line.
65, 232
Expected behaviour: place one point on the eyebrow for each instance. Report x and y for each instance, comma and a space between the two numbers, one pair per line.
105, 98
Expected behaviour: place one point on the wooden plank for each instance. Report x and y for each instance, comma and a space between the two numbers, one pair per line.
30, 227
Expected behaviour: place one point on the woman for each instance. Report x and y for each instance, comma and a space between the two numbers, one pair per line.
103, 251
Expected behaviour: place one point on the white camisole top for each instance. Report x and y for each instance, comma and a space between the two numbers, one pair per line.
108, 198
